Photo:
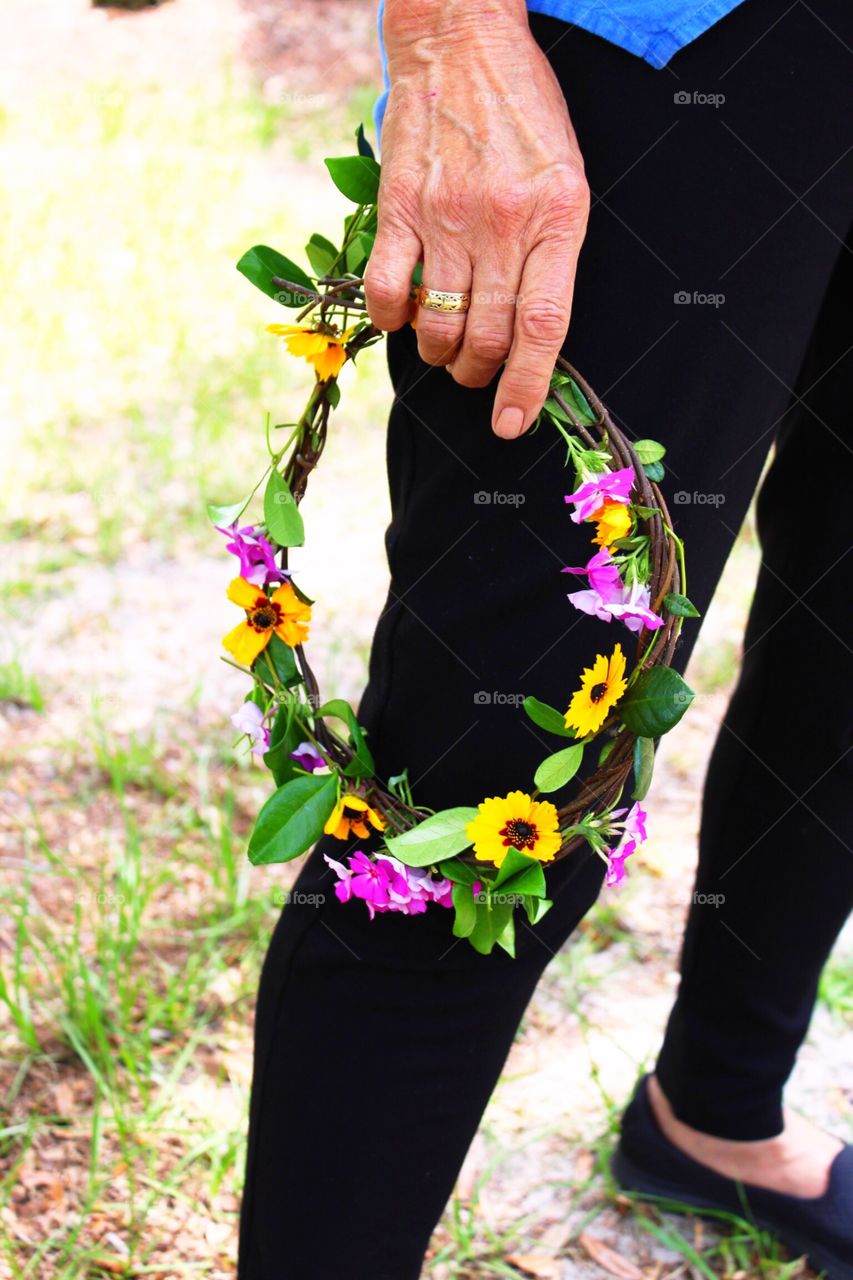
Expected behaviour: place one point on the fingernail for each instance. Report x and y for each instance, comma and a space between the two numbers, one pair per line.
509, 423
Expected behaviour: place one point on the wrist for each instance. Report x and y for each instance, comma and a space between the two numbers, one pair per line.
411, 21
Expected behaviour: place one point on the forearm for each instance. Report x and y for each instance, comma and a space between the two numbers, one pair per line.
414, 20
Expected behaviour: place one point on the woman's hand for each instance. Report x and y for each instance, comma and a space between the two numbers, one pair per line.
482, 180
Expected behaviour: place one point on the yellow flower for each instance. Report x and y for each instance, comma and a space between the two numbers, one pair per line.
325, 351
282, 612
602, 685
350, 816
514, 821
612, 521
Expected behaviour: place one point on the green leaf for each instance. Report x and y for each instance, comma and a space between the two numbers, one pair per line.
506, 937
337, 707
466, 910
321, 253
492, 922
461, 872
547, 718
649, 451
655, 702
605, 750
300, 594
283, 661
229, 514
259, 266
357, 177
364, 147
536, 908
359, 251
577, 400
285, 736
557, 411
556, 770
520, 875
514, 863
333, 394
482, 936
292, 819
440, 836
281, 514
362, 766
655, 471
644, 766
680, 606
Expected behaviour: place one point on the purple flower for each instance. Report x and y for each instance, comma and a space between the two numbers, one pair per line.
250, 720
634, 609
616, 872
616, 485
343, 888
607, 596
368, 880
385, 884
635, 823
308, 757
605, 586
633, 835
256, 555
421, 888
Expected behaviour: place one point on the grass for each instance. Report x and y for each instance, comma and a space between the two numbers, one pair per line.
836, 987
135, 329
19, 688
141, 965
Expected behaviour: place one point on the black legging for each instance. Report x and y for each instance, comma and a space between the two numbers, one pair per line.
378, 1044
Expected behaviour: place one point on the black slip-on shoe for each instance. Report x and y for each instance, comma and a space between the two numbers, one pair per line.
647, 1163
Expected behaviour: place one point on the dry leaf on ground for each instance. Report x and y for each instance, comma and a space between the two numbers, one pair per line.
536, 1264
612, 1262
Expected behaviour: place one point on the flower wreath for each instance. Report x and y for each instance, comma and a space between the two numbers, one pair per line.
482, 861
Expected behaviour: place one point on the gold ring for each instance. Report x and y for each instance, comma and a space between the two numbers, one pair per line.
441, 300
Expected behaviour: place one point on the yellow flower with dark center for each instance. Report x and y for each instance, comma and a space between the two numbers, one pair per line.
282, 614
602, 685
518, 822
612, 521
326, 352
350, 817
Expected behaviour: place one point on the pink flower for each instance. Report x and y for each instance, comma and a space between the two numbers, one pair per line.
343, 888
616, 485
256, 555
385, 884
362, 879
607, 596
421, 888
633, 835
605, 586
616, 872
250, 720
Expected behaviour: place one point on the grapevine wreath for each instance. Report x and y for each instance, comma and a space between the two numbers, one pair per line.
483, 861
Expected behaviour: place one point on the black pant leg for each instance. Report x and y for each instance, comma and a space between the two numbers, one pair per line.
776, 847
378, 1047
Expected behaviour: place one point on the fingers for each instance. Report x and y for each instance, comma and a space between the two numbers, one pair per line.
440, 332
388, 279
541, 321
490, 323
